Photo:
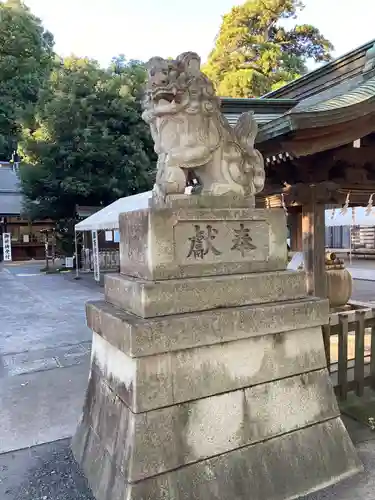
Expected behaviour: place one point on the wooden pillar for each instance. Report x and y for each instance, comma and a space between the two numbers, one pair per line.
313, 242
295, 223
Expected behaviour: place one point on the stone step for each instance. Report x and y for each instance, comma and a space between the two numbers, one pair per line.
160, 298
136, 336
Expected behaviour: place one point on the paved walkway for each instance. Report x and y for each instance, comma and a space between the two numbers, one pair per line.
362, 269
44, 361
44, 356
362, 273
363, 291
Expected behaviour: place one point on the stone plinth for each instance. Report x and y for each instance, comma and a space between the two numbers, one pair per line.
178, 241
208, 378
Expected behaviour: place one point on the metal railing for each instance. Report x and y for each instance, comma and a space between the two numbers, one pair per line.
349, 342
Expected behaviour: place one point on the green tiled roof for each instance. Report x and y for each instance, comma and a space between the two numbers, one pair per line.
356, 100
356, 96
342, 68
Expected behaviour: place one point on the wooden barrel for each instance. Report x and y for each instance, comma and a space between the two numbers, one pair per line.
339, 286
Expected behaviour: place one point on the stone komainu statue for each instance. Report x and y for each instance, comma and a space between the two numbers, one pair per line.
191, 134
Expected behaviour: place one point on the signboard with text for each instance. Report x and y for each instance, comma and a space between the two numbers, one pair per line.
95, 255
7, 247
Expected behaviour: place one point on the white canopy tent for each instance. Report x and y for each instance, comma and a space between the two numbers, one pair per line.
108, 219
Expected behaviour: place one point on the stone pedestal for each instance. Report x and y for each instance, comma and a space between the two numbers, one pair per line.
208, 377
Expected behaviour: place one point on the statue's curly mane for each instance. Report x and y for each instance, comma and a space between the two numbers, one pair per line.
177, 80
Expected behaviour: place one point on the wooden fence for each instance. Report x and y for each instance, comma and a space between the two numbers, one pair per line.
349, 342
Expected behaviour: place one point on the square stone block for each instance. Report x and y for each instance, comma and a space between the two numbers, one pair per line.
161, 298
137, 336
180, 242
166, 379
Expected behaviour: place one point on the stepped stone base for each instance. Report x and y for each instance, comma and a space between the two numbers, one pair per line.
141, 337
211, 388
151, 430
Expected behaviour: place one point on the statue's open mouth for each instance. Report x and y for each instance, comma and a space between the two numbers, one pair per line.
169, 93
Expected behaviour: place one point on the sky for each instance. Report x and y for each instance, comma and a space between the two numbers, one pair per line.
140, 29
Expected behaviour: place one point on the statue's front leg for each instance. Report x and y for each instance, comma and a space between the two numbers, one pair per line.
169, 179
177, 163
175, 180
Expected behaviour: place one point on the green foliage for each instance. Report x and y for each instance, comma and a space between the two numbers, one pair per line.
254, 53
90, 146
26, 52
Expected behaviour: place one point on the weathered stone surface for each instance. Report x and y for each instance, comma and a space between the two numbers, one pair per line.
279, 469
146, 444
141, 337
157, 244
176, 201
282, 468
160, 380
149, 298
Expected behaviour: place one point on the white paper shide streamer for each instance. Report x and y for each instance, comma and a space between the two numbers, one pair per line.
283, 204
369, 205
344, 209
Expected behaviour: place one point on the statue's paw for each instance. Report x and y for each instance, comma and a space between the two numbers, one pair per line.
176, 179
173, 181
218, 189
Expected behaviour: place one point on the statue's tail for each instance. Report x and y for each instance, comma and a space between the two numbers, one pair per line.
246, 131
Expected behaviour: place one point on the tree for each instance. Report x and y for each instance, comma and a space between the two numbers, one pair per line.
254, 53
26, 53
133, 76
91, 146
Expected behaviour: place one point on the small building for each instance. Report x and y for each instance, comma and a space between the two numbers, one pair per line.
319, 150
27, 242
